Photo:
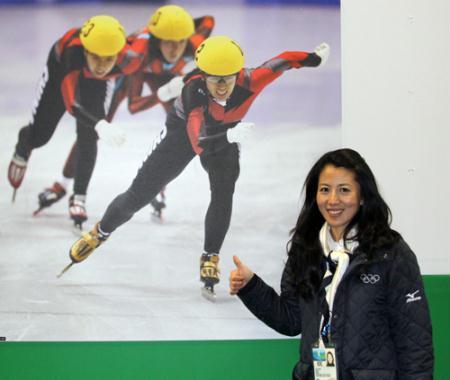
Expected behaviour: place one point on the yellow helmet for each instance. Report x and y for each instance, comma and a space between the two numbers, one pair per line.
219, 55
171, 22
103, 35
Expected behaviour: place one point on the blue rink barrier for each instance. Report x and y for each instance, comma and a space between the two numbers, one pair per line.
249, 2
294, 2
54, 2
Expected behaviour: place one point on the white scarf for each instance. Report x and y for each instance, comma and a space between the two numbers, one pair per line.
339, 253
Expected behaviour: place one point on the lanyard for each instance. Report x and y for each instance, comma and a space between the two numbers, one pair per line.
343, 261
325, 319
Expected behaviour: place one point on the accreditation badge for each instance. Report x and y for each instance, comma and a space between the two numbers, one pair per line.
324, 360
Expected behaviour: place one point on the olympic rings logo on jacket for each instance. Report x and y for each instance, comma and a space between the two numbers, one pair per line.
370, 278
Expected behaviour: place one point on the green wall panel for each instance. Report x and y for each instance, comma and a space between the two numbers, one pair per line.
185, 360
438, 292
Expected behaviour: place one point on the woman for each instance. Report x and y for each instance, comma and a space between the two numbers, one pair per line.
204, 121
350, 281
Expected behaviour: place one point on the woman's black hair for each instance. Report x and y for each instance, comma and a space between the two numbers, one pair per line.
373, 220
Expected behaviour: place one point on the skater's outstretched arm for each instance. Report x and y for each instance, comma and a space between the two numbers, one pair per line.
164, 94
137, 102
257, 79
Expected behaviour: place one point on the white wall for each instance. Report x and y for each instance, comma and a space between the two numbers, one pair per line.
396, 113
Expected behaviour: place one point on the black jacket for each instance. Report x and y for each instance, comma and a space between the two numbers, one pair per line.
381, 324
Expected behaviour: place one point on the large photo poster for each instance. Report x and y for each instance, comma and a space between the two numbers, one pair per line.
143, 282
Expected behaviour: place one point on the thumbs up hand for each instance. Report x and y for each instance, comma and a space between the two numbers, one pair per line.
240, 276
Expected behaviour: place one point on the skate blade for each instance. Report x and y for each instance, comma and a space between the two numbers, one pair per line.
65, 270
38, 211
209, 294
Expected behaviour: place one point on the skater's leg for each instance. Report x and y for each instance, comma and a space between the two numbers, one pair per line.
223, 171
58, 190
50, 196
85, 158
95, 108
166, 162
47, 111
93, 95
69, 165
154, 83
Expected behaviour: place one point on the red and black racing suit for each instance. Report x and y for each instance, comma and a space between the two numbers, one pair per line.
197, 125
67, 85
154, 71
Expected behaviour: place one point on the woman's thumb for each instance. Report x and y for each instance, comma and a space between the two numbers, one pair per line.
237, 262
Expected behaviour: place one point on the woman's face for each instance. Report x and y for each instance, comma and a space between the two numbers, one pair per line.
172, 50
338, 198
100, 66
220, 88
329, 358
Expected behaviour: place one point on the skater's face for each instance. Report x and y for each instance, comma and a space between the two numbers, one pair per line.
219, 87
100, 66
172, 50
338, 198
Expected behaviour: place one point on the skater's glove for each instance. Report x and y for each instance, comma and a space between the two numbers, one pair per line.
171, 90
239, 133
323, 51
110, 133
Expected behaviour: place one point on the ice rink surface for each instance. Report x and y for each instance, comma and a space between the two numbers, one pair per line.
143, 283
